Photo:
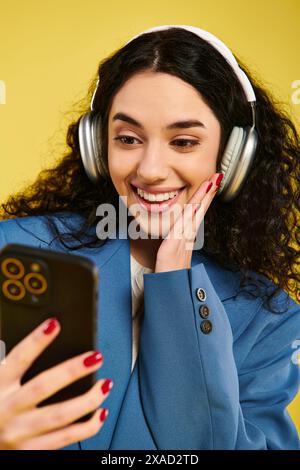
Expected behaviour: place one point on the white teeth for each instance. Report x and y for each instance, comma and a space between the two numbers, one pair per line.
156, 197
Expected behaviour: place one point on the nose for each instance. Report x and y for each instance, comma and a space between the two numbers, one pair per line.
152, 166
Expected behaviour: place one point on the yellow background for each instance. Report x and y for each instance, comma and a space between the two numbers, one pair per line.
50, 50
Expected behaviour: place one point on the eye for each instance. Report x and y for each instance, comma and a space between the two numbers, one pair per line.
191, 142
121, 137
187, 142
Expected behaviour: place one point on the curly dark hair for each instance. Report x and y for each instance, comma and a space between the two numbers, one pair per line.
256, 233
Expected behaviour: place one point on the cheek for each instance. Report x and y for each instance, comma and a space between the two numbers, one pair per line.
119, 166
202, 167
198, 168
119, 171
115, 170
207, 162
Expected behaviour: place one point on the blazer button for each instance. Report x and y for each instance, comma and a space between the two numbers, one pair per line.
201, 294
206, 327
204, 311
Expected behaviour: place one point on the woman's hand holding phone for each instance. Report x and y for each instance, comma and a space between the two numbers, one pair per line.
25, 426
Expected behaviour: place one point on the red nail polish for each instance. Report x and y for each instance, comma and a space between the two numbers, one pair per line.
50, 326
107, 386
93, 359
219, 179
104, 414
208, 187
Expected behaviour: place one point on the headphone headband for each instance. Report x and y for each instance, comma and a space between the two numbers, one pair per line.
217, 44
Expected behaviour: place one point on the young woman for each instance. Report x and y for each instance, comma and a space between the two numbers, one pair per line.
199, 344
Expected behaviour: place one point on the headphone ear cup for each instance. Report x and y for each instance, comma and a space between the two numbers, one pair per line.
89, 135
230, 156
96, 141
237, 161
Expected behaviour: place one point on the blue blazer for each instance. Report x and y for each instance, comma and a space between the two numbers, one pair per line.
226, 389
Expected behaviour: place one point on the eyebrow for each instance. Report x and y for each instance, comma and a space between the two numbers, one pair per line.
175, 125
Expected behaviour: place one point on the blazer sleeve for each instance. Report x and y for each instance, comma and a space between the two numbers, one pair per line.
2, 238
192, 394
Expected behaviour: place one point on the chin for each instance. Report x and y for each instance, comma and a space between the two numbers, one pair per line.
150, 229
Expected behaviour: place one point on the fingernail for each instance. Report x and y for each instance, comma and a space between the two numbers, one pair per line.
50, 326
209, 186
219, 179
93, 359
107, 386
104, 414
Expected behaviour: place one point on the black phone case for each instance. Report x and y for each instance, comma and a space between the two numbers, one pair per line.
66, 288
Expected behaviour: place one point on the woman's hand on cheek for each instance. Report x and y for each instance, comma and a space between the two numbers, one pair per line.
175, 251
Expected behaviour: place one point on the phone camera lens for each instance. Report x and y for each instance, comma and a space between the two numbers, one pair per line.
12, 268
13, 289
35, 283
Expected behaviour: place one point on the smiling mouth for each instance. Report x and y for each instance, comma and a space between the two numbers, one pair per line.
156, 206
134, 188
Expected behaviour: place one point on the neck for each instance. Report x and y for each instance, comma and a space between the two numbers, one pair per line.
144, 251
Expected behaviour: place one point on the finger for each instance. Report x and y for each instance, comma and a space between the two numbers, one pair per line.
52, 417
211, 193
204, 194
27, 351
183, 221
54, 379
188, 225
68, 435
192, 222
200, 212
195, 213
186, 214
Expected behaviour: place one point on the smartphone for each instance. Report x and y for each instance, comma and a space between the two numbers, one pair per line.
37, 283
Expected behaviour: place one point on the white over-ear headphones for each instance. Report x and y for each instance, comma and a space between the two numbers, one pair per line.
240, 150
